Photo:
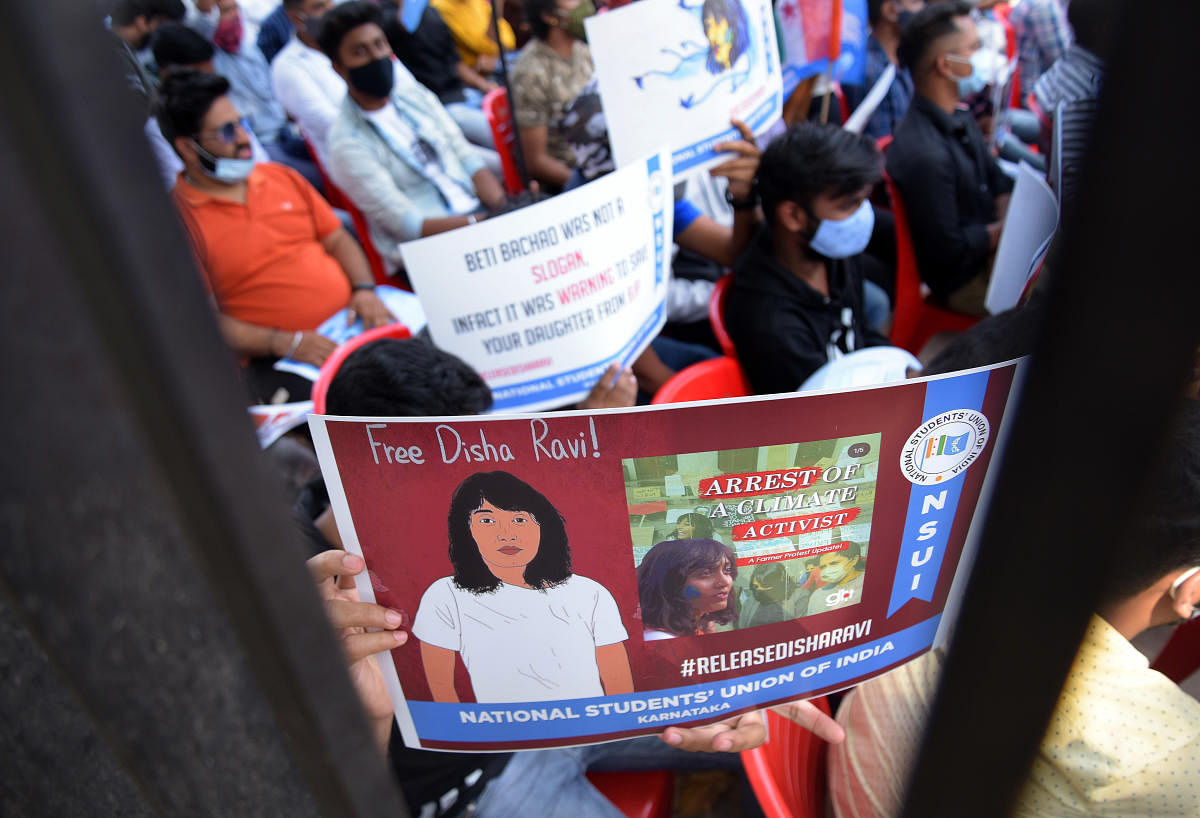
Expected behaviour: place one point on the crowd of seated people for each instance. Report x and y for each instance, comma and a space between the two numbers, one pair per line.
233, 118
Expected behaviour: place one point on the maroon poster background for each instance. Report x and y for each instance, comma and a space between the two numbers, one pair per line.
400, 510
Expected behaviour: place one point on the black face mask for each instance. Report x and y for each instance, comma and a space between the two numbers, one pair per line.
375, 79
903, 17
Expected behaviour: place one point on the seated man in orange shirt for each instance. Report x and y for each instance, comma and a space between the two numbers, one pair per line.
276, 259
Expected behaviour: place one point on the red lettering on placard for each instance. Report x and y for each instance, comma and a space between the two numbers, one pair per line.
760, 482
790, 526
759, 559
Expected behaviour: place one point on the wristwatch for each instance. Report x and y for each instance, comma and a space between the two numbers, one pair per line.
749, 202
363, 286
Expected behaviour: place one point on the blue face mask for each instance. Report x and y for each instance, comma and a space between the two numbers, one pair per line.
977, 80
847, 237
222, 168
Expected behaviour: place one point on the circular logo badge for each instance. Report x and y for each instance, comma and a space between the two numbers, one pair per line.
944, 447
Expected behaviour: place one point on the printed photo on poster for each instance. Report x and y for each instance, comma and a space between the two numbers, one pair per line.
736, 539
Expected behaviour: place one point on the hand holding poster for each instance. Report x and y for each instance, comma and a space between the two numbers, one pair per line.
676, 71
541, 300
580, 578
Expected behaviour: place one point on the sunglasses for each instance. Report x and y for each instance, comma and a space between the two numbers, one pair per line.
227, 133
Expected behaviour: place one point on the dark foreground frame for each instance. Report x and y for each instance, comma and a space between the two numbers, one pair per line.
147, 669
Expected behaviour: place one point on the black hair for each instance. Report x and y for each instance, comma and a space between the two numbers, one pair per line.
732, 13
702, 527
662, 576
926, 27
341, 20
410, 378
124, 12
852, 551
1166, 531
292, 4
534, 9
174, 44
809, 160
184, 99
551, 566
1000, 337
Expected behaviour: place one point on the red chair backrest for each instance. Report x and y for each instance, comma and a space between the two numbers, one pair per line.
914, 321
334, 362
337, 198
708, 380
716, 314
1180, 657
499, 117
788, 772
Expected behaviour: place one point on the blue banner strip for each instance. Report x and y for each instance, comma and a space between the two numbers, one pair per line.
564, 384
686, 158
931, 508
653, 166
570, 718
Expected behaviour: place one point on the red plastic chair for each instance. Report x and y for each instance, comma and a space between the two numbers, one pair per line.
334, 362
708, 380
1180, 657
914, 321
499, 117
716, 314
642, 794
788, 772
337, 198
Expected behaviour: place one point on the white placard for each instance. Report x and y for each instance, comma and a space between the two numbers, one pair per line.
542, 300
670, 71
1028, 228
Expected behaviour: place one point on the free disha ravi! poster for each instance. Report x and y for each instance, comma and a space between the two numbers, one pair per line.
575, 577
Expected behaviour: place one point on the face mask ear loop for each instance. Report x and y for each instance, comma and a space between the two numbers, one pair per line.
207, 159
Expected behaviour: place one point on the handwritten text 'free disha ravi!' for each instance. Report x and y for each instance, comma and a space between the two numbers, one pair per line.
473, 446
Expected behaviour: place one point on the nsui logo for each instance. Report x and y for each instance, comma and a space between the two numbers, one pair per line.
943, 447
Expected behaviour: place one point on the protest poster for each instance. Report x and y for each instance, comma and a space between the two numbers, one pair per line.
540, 301
1028, 230
273, 420
806, 34
675, 71
584, 577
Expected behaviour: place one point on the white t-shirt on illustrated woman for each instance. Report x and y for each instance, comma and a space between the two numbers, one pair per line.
521, 644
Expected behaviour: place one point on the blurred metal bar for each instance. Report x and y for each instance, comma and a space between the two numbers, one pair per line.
1108, 373
153, 597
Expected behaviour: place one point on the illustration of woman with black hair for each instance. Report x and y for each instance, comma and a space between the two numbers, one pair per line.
526, 627
726, 38
686, 588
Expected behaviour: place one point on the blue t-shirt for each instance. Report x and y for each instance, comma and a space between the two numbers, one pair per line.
685, 214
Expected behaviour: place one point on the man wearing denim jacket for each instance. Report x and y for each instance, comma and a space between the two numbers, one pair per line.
393, 149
